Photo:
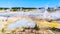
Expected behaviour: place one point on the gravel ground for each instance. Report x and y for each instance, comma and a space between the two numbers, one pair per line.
35, 31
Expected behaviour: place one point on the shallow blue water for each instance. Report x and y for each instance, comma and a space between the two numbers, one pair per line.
22, 23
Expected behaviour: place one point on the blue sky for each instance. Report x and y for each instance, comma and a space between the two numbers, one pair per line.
29, 3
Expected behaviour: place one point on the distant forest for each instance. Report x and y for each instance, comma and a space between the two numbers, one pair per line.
18, 8
15, 8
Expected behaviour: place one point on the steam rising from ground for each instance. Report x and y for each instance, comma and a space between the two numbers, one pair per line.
30, 23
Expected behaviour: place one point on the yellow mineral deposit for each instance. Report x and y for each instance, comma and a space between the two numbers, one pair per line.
48, 24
